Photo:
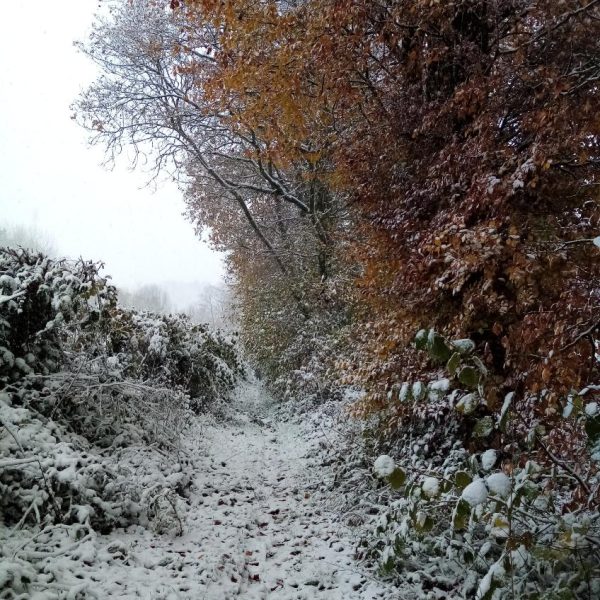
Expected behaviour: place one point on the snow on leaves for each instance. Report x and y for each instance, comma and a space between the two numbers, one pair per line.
93, 404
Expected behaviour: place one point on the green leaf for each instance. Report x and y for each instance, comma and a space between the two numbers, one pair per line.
545, 553
462, 479
437, 347
445, 486
467, 404
469, 376
421, 339
577, 406
519, 495
468, 556
500, 527
465, 346
397, 478
423, 522
453, 364
479, 364
460, 517
531, 490
388, 566
483, 427
592, 428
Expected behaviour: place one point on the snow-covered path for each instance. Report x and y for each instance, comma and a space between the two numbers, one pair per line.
256, 526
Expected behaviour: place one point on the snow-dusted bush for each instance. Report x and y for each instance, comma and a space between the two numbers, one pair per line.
455, 529
93, 400
306, 363
46, 307
477, 501
172, 351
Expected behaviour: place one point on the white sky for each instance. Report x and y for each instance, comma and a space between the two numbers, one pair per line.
50, 178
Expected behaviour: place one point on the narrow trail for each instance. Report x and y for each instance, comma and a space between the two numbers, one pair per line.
256, 526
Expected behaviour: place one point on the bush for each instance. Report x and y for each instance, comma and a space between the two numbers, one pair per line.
481, 500
93, 403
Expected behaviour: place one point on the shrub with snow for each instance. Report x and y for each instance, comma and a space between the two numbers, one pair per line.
484, 508
92, 405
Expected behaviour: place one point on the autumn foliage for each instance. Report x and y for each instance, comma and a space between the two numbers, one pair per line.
375, 168
466, 135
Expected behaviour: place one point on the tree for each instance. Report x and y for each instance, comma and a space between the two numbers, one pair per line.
150, 297
159, 95
455, 145
28, 237
154, 98
212, 306
465, 135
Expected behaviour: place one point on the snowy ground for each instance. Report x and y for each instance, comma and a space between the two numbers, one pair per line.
256, 525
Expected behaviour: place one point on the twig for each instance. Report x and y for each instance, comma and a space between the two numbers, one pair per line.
61, 551
566, 17
7, 464
581, 336
562, 464
35, 536
32, 506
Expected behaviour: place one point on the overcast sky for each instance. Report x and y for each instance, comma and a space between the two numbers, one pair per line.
50, 178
